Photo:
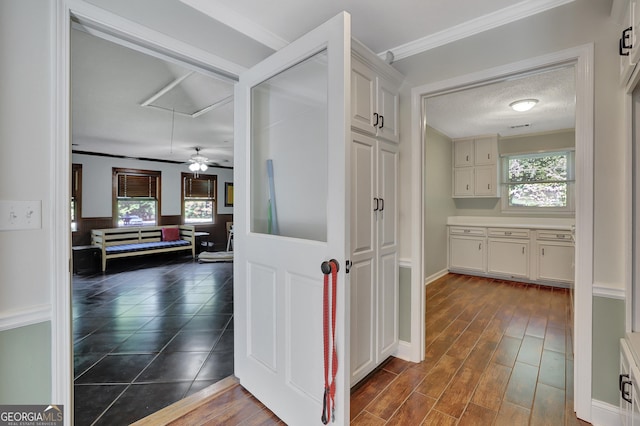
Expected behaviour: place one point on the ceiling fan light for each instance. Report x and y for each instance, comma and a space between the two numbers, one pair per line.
203, 167
523, 105
194, 167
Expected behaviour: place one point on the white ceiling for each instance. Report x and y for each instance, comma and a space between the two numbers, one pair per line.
110, 82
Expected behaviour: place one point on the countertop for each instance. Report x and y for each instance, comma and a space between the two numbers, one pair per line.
567, 224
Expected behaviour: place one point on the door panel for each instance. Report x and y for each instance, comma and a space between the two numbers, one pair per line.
291, 150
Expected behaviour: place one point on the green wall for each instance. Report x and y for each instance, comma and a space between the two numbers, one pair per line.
404, 322
608, 329
25, 365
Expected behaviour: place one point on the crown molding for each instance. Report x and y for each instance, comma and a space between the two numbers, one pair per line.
483, 23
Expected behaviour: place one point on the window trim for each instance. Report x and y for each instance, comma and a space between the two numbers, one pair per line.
116, 171
569, 209
214, 197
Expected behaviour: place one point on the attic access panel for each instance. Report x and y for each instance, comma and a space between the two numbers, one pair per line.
192, 94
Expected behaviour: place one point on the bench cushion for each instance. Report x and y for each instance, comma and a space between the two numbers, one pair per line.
170, 234
125, 248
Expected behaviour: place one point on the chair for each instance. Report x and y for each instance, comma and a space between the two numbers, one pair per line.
229, 235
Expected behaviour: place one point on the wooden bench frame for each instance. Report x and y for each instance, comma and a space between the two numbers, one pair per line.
104, 238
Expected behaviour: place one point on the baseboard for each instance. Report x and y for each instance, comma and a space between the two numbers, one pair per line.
26, 316
605, 414
432, 278
403, 351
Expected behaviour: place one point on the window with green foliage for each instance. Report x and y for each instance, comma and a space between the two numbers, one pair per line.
136, 197
540, 182
199, 198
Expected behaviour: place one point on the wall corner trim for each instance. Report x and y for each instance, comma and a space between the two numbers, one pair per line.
403, 351
25, 316
604, 414
433, 277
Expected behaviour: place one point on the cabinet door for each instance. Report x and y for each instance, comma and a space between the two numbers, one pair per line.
363, 317
486, 182
486, 151
388, 106
387, 306
467, 253
363, 97
463, 182
463, 153
508, 257
387, 193
625, 373
555, 261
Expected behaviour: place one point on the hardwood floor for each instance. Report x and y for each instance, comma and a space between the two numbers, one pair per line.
497, 353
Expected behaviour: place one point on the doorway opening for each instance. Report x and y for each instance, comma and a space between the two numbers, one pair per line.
170, 311
581, 59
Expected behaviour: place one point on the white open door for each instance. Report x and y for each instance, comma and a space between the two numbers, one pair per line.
292, 111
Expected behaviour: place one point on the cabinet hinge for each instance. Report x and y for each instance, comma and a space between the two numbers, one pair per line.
347, 266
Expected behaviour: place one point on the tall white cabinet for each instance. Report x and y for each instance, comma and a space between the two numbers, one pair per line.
374, 214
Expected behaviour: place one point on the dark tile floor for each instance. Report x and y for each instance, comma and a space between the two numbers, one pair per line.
147, 333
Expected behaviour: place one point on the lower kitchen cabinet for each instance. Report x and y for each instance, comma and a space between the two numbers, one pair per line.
536, 255
508, 257
467, 253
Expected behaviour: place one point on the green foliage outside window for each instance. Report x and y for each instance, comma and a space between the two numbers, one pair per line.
539, 180
137, 212
198, 211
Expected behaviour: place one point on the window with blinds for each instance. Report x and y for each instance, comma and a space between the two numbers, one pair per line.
198, 198
76, 195
136, 196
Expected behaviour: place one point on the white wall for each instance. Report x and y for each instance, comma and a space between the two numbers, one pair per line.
97, 183
25, 137
437, 198
574, 24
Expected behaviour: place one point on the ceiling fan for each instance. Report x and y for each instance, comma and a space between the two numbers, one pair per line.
198, 162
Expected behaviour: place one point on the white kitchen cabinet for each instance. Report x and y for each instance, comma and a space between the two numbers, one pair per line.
516, 252
374, 245
508, 252
555, 256
475, 167
467, 249
486, 181
375, 99
628, 384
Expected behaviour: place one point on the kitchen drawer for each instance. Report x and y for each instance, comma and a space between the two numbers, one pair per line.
509, 232
467, 230
554, 235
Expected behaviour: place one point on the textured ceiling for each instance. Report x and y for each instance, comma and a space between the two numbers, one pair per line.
485, 109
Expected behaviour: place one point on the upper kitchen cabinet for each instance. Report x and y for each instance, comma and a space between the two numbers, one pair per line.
475, 167
375, 96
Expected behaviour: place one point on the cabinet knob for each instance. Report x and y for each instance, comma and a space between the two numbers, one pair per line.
467, 187
376, 117
467, 158
480, 246
381, 122
543, 251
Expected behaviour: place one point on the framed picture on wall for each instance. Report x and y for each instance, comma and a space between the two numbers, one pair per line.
228, 194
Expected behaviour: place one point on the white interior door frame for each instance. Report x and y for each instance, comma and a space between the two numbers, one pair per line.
132, 35
582, 57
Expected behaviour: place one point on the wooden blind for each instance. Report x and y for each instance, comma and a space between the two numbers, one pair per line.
135, 185
200, 187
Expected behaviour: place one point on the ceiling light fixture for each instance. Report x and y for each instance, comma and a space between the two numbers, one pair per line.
198, 163
523, 104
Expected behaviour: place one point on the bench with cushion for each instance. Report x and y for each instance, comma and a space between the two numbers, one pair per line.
134, 241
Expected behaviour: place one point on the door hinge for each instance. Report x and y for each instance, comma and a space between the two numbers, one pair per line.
347, 266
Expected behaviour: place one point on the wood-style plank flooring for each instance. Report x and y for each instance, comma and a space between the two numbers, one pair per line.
497, 353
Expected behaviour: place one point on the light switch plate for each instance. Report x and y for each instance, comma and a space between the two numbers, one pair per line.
17, 215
